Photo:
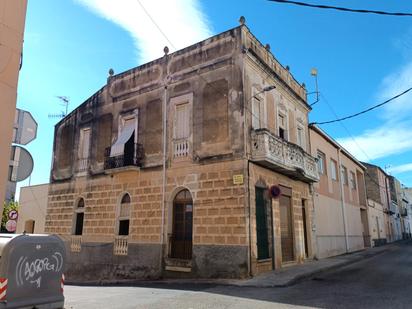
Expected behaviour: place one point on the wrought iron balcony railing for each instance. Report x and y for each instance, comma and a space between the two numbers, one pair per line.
283, 156
135, 158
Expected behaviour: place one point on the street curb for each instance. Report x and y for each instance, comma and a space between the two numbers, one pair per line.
308, 275
363, 255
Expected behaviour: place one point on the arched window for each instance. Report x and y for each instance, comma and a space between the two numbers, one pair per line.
78, 217
124, 215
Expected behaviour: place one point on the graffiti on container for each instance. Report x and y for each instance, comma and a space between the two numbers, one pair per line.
31, 271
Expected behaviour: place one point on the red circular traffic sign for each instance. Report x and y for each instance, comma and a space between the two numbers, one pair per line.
11, 225
13, 214
275, 191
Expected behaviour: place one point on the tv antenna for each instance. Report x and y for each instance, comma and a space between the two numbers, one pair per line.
65, 103
314, 73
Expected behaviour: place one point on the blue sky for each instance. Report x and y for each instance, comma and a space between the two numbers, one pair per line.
362, 60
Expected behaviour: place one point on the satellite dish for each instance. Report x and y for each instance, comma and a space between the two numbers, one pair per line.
21, 164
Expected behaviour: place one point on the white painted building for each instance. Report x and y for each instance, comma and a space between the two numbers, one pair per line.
32, 209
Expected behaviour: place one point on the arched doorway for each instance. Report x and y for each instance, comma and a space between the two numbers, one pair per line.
181, 247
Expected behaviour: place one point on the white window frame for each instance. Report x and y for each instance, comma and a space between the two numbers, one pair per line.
344, 175
284, 126
321, 162
352, 179
333, 170
126, 117
174, 102
76, 211
260, 116
175, 124
301, 139
82, 143
119, 212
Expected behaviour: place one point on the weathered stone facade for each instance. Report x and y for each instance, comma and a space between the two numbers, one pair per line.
200, 100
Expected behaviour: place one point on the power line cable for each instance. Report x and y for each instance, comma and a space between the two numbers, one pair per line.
353, 139
366, 110
197, 73
343, 9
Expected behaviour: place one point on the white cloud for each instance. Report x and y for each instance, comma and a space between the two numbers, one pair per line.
380, 142
394, 135
182, 21
399, 169
392, 85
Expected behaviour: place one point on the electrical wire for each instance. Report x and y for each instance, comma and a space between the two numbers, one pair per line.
247, 109
353, 139
364, 111
319, 6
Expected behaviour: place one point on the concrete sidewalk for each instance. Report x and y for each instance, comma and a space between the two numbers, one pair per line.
293, 274
290, 275
279, 278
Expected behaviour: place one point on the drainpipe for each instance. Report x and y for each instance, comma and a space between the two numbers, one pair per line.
342, 195
162, 205
389, 202
247, 163
313, 233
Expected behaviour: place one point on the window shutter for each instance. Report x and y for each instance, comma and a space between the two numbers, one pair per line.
86, 143
255, 113
182, 120
262, 115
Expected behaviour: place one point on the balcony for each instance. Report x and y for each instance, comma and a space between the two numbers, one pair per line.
120, 246
181, 148
75, 243
82, 165
130, 157
282, 156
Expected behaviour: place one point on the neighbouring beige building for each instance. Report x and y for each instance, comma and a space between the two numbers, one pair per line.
12, 20
341, 219
380, 208
167, 169
32, 209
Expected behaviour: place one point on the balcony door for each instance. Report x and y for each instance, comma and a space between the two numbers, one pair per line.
181, 246
129, 151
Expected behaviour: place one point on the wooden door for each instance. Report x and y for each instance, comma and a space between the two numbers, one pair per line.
286, 228
182, 226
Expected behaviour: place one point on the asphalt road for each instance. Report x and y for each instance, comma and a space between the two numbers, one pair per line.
384, 281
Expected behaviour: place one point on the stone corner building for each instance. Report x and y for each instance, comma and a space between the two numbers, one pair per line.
130, 205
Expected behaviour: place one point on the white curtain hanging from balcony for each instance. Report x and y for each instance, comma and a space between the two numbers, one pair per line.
117, 148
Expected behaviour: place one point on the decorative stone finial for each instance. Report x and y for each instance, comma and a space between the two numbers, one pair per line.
111, 72
166, 50
242, 20
303, 85
288, 68
267, 46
